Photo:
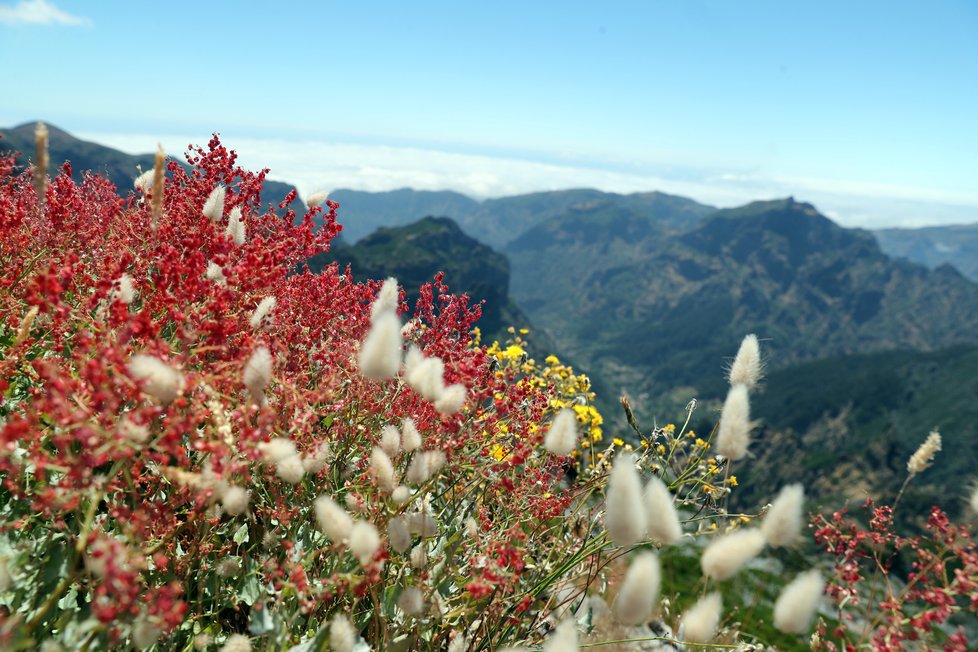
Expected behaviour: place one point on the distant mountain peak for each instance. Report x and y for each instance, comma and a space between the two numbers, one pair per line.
796, 229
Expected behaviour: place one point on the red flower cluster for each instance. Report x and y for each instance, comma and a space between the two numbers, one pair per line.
127, 472
876, 606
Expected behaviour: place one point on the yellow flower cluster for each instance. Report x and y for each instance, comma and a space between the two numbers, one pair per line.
570, 390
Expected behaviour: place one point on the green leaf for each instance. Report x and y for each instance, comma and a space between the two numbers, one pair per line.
261, 621
241, 536
251, 590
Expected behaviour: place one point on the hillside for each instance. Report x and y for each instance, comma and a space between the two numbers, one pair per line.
497, 222
658, 314
416, 252
846, 426
118, 167
933, 246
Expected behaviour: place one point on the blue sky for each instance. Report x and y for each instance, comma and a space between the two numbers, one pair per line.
869, 109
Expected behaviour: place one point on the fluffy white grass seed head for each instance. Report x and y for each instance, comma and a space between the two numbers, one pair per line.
725, 556
382, 470
333, 520
125, 290
419, 556
159, 181
411, 601
424, 465
700, 622
639, 591
733, 434
747, 368
290, 469
316, 199
133, 432
380, 353
390, 440
215, 273
423, 524
398, 535
237, 643
214, 206
144, 633
258, 373
625, 516
459, 643
412, 359
277, 449
795, 607
451, 399
342, 636
561, 437
401, 494
426, 376
363, 541
663, 520
386, 299
783, 522
261, 312
924, 455
410, 437
563, 638
144, 182
158, 379
236, 226
316, 461
235, 500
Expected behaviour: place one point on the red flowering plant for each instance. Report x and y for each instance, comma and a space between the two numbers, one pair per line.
897, 592
200, 445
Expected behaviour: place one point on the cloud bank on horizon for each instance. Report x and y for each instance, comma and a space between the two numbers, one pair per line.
39, 12
314, 165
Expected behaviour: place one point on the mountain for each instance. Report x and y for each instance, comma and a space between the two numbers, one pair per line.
416, 252
118, 167
497, 222
933, 246
657, 312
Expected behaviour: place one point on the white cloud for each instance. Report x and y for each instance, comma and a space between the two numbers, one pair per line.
38, 12
321, 165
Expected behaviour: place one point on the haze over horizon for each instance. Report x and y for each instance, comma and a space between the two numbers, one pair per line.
866, 111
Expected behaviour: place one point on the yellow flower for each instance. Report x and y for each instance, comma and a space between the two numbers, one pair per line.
524, 331
732, 480
701, 444
661, 449
669, 428
513, 352
552, 360
497, 452
617, 441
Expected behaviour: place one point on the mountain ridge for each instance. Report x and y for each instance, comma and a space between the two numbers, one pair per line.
117, 166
